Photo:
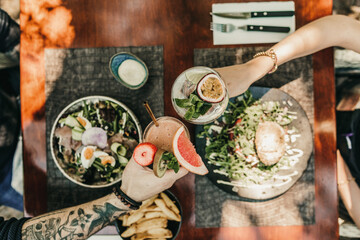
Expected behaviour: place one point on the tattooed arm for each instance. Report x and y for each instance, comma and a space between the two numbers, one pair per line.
77, 222
82, 221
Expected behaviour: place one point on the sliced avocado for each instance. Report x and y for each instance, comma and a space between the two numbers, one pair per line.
159, 164
114, 147
123, 160
72, 122
118, 149
122, 150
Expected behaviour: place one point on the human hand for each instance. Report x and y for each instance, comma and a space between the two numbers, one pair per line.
140, 183
238, 78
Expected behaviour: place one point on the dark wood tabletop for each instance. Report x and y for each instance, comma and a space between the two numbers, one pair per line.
179, 26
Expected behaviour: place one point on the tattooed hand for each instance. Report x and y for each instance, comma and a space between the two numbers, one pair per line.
140, 183
82, 221
74, 223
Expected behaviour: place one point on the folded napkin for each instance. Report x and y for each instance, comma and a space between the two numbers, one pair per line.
245, 37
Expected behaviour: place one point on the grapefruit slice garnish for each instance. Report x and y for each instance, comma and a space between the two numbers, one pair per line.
211, 89
186, 155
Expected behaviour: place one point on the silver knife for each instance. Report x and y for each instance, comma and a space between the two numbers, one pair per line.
245, 15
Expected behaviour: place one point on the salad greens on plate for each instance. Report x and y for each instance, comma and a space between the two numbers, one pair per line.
230, 142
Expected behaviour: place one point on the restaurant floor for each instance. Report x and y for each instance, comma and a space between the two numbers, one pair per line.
346, 7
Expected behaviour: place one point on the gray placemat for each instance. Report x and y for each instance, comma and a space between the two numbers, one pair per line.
217, 208
75, 73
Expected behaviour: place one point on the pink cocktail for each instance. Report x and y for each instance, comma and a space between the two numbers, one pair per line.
162, 136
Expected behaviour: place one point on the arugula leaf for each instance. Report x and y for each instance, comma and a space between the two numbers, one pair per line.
167, 156
184, 103
262, 166
196, 115
174, 164
194, 98
171, 161
190, 112
204, 108
194, 105
199, 105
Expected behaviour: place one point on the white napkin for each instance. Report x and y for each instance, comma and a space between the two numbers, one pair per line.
241, 36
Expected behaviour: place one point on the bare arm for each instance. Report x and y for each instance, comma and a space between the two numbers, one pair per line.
336, 30
82, 221
78, 222
325, 32
349, 190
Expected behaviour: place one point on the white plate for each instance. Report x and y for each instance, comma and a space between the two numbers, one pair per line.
289, 176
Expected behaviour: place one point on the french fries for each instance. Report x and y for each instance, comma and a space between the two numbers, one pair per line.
169, 203
168, 212
134, 217
153, 233
151, 219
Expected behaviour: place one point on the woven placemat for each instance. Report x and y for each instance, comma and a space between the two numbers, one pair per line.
217, 208
75, 73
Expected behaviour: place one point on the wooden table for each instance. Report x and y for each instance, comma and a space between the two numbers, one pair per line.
180, 26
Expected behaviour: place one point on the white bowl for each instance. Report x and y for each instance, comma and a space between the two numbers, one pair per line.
71, 108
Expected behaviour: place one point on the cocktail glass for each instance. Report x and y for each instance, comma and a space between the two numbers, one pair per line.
162, 136
186, 84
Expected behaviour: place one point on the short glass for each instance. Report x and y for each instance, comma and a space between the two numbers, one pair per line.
162, 136
185, 84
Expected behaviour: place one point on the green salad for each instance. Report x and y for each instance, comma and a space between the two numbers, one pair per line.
230, 143
93, 143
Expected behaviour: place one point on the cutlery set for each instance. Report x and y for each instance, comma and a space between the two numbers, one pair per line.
227, 28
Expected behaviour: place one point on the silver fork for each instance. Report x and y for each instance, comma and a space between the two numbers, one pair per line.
225, 27
228, 27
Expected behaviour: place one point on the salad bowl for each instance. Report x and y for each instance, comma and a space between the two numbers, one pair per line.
92, 140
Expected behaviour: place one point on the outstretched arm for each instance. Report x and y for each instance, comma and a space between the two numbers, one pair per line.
325, 32
336, 30
82, 221
78, 222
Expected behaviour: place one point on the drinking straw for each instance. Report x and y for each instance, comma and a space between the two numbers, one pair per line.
146, 104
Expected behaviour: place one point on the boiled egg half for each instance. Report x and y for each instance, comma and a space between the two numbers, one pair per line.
108, 160
83, 122
105, 158
87, 156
